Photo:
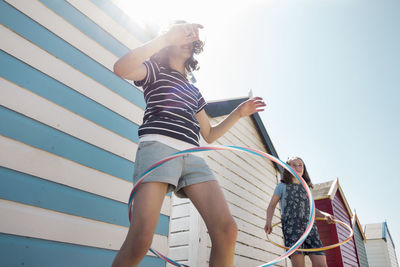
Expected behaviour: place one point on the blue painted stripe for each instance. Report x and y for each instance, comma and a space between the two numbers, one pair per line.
29, 78
30, 190
36, 134
37, 34
122, 18
23, 251
87, 26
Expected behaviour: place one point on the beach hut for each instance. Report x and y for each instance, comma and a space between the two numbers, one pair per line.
247, 182
360, 240
380, 247
68, 134
329, 197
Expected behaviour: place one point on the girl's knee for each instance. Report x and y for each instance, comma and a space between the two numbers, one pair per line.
140, 242
144, 241
233, 229
227, 232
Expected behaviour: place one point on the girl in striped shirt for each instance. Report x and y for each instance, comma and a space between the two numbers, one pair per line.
173, 120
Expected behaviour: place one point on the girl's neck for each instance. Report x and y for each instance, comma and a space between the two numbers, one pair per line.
295, 181
178, 65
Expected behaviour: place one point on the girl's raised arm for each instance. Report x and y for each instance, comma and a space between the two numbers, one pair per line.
212, 133
131, 66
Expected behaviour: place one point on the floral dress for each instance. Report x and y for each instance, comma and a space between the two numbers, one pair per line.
295, 218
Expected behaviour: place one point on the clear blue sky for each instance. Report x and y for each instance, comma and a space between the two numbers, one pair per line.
330, 73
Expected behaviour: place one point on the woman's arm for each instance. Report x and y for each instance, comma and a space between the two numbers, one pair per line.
270, 213
212, 133
131, 67
320, 214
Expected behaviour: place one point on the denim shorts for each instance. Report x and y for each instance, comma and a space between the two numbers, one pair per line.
178, 173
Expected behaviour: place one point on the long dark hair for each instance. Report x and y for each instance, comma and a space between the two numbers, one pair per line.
191, 64
287, 176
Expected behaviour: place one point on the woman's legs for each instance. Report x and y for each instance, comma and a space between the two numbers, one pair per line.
209, 200
146, 211
318, 260
298, 260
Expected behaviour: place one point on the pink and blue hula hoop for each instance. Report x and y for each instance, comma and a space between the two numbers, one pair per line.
290, 251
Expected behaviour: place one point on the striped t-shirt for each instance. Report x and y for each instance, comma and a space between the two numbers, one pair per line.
171, 104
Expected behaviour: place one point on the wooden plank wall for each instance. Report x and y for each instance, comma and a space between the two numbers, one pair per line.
328, 234
68, 133
362, 254
248, 183
348, 250
391, 251
377, 252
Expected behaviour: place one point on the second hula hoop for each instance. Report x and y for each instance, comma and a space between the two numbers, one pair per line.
351, 233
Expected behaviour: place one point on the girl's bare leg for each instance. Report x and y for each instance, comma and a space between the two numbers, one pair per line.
146, 211
318, 260
298, 260
209, 200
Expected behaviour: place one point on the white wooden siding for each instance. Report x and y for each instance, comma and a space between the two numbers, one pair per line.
40, 109
107, 23
377, 253
15, 155
373, 231
391, 251
27, 159
57, 226
66, 74
380, 252
50, 20
247, 182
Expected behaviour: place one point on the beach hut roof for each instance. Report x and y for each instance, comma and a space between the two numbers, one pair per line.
378, 231
328, 190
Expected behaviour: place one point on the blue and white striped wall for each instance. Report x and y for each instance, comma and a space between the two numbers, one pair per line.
68, 134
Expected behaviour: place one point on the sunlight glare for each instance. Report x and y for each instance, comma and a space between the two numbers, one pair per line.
206, 12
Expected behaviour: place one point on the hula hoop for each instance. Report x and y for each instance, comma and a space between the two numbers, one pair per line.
323, 248
290, 251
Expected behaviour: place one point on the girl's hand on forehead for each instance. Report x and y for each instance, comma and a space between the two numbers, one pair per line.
182, 34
